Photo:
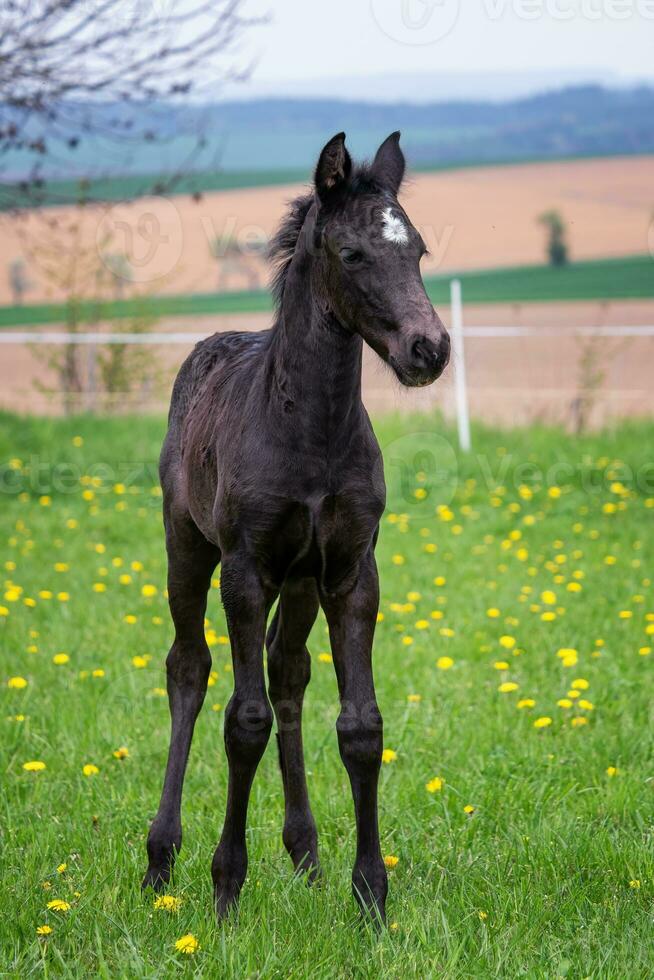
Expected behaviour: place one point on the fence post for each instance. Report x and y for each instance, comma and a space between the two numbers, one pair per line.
461, 391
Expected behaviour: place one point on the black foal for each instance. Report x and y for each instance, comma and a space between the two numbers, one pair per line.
271, 466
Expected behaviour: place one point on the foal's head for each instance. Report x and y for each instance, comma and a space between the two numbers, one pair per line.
368, 256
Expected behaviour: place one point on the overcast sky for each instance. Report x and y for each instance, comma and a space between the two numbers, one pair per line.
336, 38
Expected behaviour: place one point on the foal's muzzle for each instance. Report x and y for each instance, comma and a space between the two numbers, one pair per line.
426, 359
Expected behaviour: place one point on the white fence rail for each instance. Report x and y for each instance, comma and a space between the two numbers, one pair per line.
482, 378
478, 332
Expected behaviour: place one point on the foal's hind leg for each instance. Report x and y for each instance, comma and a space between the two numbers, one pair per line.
289, 670
191, 561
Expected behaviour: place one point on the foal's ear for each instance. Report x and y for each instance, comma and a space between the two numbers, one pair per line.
389, 163
334, 167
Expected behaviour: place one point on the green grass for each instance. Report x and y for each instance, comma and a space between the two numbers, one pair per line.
602, 279
535, 883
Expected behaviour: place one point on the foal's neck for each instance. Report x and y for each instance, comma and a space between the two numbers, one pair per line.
316, 364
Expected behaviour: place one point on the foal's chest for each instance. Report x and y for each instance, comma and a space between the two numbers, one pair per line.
322, 535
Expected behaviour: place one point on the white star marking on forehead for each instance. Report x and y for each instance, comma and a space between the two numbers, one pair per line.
394, 228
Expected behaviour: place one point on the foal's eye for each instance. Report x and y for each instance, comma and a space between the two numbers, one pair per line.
351, 256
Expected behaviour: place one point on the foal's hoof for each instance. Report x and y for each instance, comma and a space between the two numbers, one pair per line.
225, 898
370, 893
156, 878
308, 868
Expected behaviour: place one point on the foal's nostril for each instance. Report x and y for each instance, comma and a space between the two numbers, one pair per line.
423, 352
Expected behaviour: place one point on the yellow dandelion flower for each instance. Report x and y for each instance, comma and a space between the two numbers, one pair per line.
187, 944
99, 587
612, 771
90, 769
60, 658
389, 755
17, 683
121, 753
508, 642
167, 903
325, 658
543, 722
444, 663
634, 883
507, 687
501, 665
43, 930
58, 905
526, 703
564, 703
391, 861
414, 698
35, 766
586, 705
148, 590
61, 868
469, 809
435, 785
398, 559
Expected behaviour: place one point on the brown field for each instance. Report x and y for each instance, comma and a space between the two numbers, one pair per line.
510, 381
476, 218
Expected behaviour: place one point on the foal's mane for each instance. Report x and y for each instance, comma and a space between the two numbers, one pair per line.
282, 245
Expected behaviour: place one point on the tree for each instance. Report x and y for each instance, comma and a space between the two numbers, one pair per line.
557, 248
74, 69
19, 280
239, 256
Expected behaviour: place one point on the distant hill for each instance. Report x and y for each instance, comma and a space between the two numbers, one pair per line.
285, 134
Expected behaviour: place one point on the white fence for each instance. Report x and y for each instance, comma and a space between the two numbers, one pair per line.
507, 373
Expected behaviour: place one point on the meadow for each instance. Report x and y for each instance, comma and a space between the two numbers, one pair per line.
631, 277
513, 662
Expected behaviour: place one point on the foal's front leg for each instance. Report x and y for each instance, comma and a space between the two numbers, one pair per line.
351, 618
248, 721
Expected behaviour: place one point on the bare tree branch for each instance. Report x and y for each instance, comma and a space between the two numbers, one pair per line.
74, 69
